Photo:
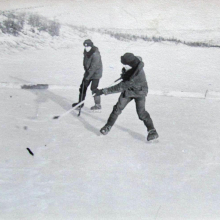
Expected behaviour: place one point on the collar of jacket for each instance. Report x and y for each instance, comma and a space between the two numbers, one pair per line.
139, 67
91, 52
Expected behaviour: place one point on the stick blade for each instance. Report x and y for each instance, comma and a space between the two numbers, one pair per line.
56, 117
30, 152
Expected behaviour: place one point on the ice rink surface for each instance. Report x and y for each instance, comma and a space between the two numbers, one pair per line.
76, 173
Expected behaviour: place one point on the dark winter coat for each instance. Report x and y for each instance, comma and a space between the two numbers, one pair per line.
92, 64
135, 86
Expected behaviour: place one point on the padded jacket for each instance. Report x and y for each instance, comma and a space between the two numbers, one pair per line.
92, 65
136, 86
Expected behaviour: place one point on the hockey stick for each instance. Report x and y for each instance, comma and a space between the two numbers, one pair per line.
81, 99
114, 82
80, 103
67, 112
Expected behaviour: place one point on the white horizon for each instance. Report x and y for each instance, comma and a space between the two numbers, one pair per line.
158, 15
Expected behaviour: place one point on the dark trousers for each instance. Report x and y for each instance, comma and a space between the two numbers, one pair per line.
140, 108
83, 88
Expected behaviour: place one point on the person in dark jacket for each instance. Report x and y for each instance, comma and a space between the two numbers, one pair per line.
92, 63
132, 87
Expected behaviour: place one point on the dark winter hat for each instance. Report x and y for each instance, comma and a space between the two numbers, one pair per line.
88, 42
129, 59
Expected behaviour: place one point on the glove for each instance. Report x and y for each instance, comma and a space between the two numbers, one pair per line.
86, 75
98, 92
85, 82
123, 73
86, 79
123, 70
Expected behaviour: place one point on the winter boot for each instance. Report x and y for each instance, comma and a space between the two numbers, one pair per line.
96, 107
152, 134
105, 129
80, 106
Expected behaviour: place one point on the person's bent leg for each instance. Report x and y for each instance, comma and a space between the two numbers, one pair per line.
117, 109
145, 117
97, 99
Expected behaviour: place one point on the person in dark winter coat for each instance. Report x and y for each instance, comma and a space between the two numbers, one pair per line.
92, 63
132, 87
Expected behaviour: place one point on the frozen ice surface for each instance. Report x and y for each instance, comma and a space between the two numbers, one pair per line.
76, 173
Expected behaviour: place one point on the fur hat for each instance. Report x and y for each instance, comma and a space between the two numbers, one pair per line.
129, 59
88, 42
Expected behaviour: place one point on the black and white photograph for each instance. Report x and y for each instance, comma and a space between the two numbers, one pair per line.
110, 110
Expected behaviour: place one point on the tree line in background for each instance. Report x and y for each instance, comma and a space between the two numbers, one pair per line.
132, 37
13, 23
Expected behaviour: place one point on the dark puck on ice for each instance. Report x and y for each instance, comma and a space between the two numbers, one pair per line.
56, 117
30, 152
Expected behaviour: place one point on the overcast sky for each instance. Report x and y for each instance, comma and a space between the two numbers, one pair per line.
157, 14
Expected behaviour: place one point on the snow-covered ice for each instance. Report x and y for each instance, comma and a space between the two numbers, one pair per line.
75, 172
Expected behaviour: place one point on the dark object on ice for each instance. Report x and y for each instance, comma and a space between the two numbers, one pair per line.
37, 86
10, 96
56, 117
105, 129
152, 134
25, 127
30, 152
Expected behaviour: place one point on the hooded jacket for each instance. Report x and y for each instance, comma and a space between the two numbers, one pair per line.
92, 64
135, 86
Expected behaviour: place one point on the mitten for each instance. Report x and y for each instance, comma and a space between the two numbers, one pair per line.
98, 92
